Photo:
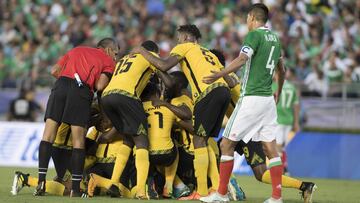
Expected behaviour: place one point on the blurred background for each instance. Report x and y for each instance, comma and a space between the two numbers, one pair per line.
320, 39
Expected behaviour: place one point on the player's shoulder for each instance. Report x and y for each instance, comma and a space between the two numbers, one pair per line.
181, 99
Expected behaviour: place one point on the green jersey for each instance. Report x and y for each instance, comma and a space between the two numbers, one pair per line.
287, 100
263, 48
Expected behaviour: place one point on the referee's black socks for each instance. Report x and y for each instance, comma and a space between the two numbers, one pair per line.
77, 162
61, 158
45, 149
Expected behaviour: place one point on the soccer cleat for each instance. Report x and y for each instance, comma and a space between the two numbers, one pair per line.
78, 194
151, 189
114, 191
272, 200
193, 196
215, 197
166, 193
40, 189
92, 184
235, 191
307, 189
183, 192
20, 181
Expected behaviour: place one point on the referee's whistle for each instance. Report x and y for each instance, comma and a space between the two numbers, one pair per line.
78, 80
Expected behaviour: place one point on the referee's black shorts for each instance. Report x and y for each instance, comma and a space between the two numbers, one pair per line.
126, 114
209, 112
69, 103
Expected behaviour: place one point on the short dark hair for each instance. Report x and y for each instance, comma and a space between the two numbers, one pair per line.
191, 29
150, 46
180, 79
219, 55
106, 42
150, 89
260, 11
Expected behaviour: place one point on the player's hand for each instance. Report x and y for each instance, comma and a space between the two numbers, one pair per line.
212, 78
276, 97
158, 103
136, 50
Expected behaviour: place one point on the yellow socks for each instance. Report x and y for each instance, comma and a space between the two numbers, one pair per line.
213, 171
201, 164
55, 188
287, 181
121, 159
33, 182
170, 173
142, 169
89, 161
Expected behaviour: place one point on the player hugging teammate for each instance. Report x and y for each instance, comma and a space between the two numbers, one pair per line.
151, 136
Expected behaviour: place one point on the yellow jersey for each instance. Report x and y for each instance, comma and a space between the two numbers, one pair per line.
106, 152
235, 95
186, 138
160, 121
196, 63
130, 77
63, 137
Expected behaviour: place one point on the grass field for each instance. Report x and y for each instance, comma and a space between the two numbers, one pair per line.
328, 191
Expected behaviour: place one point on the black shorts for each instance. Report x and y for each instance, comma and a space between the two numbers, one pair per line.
209, 112
253, 152
163, 159
126, 114
69, 103
102, 169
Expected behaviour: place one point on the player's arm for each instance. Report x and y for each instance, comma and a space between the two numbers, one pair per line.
235, 65
55, 70
159, 63
103, 81
232, 82
183, 112
166, 78
186, 125
280, 75
109, 136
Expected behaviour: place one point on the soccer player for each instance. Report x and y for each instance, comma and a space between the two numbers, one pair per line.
288, 109
255, 112
254, 153
121, 103
79, 72
162, 150
211, 100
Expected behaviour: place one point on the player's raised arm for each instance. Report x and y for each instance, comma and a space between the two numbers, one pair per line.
183, 112
166, 78
280, 74
159, 63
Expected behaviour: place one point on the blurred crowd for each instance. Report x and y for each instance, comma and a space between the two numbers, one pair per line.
320, 38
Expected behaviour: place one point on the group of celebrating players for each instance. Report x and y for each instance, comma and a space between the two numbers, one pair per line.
148, 135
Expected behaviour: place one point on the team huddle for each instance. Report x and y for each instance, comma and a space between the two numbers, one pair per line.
147, 135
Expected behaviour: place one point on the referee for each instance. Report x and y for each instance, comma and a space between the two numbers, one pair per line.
79, 73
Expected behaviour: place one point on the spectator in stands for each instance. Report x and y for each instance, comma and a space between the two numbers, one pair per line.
36, 32
24, 108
